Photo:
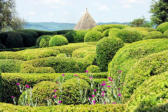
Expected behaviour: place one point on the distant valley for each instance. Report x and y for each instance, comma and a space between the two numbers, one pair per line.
53, 26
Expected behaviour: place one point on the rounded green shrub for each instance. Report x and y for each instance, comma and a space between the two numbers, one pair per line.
150, 96
58, 40
79, 37
154, 35
163, 27
92, 36
113, 32
106, 48
151, 65
93, 69
129, 36
127, 56
14, 40
166, 33
43, 91
71, 91
43, 41
70, 36
106, 33
62, 55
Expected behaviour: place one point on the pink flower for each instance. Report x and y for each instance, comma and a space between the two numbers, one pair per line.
94, 90
119, 71
108, 86
12, 97
75, 75
17, 84
103, 92
90, 78
119, 94
103, 83
110, 79
118, 88
93, 96
63, 75
86, 71
94, 102
55, 96
114, 103
59, 101
55, 90
104, 102
27, 86
90, 99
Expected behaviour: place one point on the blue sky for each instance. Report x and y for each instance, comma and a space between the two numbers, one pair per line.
70, 11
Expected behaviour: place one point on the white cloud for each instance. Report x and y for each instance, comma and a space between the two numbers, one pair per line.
51, 2
32, 13
104, 8
130, 3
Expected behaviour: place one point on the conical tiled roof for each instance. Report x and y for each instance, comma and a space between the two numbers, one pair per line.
86, 22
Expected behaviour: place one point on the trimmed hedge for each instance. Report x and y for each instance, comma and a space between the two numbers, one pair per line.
163, 27
9, 88
43, 41
150, 95
93, 69
83, 52
58, 40
70, 36
166, 33
113, 32
92, 36
71, 90
59, 64
154, 35
10, 66
151, 65
64, 108
127, 56
79, 37
41, 92
105, 51
129, 36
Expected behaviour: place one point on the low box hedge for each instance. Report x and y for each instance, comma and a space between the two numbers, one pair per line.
9, 88
64, 108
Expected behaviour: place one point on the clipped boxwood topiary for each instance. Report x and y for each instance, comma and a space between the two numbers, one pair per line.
129, 36
70, 36
151, 65
79, 37
43, 91
163, 27
127, 56
166, 33
154, 35
113, 32
106, 49
71, 90
93, 69
152, 94
43, 41
58, 40
92, 36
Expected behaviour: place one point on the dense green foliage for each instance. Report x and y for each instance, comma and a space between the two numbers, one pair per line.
113, 32
140, 22
152, 94
43, 91
58, 40
163, 27
71, 90
154, 35
92, 36
105, 51
159, 11
129, 36
151, 65
93, 69
43, 41
67, 108
127, 56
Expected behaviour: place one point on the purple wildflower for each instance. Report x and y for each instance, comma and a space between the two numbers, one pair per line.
55, 96
86, 71
119, 71
119, 94
12, 97
93, 96
17, 84
55, 90
63, 75
114, 103
94, 102
108, 86
95, 90
110, 79
27, 86
60, 101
